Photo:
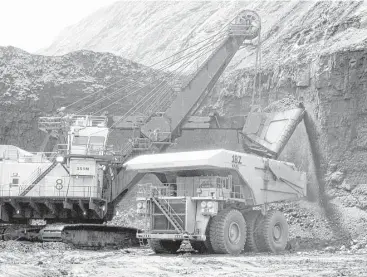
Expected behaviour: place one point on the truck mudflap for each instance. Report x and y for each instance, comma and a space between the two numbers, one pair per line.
170, 236
95, 236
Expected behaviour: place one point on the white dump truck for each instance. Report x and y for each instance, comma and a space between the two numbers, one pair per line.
217, 200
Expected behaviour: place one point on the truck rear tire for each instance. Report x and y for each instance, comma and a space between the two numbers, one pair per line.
273, 234
228, 232
164, 246
253, 218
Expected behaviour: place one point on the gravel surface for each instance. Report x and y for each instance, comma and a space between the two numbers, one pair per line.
55, 259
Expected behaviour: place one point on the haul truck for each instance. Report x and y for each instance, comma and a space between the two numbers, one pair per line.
218, 199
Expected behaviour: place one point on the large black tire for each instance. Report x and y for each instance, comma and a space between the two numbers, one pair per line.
204, 247
273, 232
207, 243
228, 232
252, 223
164, 246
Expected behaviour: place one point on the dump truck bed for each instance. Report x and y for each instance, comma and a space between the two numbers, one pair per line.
269, 180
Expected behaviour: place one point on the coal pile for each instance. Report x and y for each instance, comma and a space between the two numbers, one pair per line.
283, 104
128, 218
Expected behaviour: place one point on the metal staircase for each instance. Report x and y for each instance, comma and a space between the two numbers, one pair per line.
40, 175
167, 210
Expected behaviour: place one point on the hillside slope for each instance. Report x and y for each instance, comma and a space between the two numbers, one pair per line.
145, 31
34, 85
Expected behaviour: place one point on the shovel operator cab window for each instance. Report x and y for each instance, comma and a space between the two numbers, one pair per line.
93, 145
80, 141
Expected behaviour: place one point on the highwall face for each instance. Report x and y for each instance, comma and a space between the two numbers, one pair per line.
334, 90
19, 127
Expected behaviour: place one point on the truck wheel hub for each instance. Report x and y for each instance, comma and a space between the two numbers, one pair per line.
277, 232
234, 232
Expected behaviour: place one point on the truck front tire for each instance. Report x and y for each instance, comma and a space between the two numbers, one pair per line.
204, 247
228, 232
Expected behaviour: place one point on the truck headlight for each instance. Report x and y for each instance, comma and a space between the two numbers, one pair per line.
203, 204
140, 205
60, 159
210, 208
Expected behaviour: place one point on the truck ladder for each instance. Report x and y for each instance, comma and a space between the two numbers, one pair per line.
167, 210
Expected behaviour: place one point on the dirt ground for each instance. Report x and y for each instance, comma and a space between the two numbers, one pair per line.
55, 259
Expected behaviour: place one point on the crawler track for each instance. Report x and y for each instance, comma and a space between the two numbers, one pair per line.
99, 236
20, 232
86, 236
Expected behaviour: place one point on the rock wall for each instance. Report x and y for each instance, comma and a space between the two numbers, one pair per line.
333, 89
19, 127
32, 86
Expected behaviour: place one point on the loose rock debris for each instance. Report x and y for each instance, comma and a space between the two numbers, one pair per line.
283, 104
57, 260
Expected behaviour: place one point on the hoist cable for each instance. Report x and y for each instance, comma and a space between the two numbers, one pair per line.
204, 47
175, 54
169, 75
